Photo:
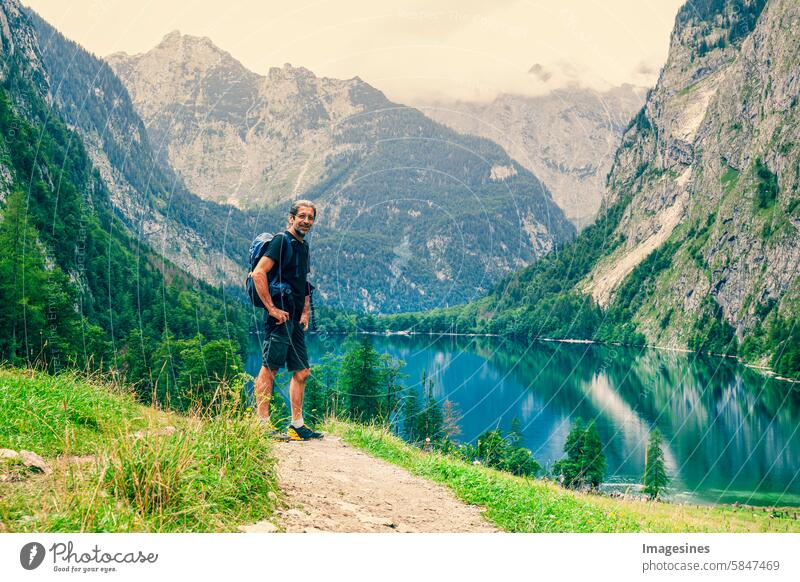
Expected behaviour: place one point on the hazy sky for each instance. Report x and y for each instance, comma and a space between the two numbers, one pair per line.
415, 51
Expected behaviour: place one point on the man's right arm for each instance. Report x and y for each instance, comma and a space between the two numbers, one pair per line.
261, 283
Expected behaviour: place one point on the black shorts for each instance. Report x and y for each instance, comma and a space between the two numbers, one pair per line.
284, 345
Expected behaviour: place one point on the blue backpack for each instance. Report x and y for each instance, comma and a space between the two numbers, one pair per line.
257, 249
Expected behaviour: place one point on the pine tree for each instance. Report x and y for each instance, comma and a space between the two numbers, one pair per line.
390, 384
360, 380
585, 463
515, 436
321, 397
452, 418
655, 477
594, 460
570, 468
432, 417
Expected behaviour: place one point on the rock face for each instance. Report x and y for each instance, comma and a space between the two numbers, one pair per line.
710, 165
567, 138
232, 135
16, 38
412, 214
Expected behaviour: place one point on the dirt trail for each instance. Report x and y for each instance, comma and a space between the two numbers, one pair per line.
332, 487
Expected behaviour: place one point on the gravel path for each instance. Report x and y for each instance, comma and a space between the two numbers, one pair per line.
332, 487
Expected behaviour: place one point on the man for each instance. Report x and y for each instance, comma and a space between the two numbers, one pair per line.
287, 321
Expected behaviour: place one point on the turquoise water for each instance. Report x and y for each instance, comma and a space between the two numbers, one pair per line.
731, 434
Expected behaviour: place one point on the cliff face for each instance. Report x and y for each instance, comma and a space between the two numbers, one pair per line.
711, 168
567, 137
17, 44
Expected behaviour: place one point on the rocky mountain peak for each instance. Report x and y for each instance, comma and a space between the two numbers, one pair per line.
171, 38
289, 72
189, 46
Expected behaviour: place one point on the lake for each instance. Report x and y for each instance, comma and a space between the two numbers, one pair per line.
730, 432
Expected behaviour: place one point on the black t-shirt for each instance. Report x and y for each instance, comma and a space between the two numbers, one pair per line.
294, 271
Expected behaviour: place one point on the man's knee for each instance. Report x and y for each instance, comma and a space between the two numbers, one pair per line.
302, 375
266, 375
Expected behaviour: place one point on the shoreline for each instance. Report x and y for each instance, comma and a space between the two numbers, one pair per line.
632, 492
763, 369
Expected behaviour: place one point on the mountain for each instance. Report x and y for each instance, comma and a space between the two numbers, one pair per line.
567, 137
712, 165
78, 286
697, 244
146, 193
232, 135
412, 214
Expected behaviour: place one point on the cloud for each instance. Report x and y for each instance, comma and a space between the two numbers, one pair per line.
644, 68
538, 71
414, 50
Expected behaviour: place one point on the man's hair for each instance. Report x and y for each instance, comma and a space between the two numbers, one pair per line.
298, 203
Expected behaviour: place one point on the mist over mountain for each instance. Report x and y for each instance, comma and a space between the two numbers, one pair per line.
567, 138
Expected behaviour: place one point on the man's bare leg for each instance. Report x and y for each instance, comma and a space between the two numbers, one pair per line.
297, 389
263, 390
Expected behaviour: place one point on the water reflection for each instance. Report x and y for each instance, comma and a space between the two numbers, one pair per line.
730, 433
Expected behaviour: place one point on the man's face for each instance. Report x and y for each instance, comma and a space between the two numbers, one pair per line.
304, 220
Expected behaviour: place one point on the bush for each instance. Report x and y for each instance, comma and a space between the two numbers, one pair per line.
499, 451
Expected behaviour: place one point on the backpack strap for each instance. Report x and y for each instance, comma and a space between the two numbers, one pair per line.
286, 252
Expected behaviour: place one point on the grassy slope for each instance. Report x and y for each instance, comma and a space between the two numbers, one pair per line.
531, 505
216, 474
210, 474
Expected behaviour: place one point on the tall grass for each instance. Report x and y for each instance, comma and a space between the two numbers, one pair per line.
213, 472
64, 413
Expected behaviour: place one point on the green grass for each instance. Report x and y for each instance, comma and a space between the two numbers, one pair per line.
53, 415
115, 467
518, 504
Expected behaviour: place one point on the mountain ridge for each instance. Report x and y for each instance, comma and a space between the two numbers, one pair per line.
378, 171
